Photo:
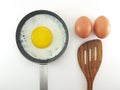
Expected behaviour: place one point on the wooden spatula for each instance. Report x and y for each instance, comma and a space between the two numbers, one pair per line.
89, 58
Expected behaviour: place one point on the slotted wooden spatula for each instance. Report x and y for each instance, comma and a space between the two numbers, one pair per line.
89, 58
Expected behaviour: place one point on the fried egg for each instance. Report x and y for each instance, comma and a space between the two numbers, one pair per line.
43, 36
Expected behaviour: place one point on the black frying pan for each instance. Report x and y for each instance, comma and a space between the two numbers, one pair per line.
43, 83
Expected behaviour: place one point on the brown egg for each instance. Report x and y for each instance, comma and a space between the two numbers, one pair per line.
101, 27
83, 27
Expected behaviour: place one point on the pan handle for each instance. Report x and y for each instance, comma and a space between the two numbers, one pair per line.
43, 77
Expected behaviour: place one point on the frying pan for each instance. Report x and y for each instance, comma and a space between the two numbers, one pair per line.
43, 63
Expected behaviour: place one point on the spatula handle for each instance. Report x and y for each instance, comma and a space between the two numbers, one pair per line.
89, 85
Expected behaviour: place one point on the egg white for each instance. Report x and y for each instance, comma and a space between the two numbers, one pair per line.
58, 32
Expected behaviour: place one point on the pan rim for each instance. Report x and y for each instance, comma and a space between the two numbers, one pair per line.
20, 47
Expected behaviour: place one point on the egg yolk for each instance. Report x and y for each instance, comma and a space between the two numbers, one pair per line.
41, 37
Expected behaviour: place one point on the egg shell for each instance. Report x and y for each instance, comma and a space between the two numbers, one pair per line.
102, 27
83, 27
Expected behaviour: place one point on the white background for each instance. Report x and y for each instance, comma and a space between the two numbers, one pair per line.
18, 73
